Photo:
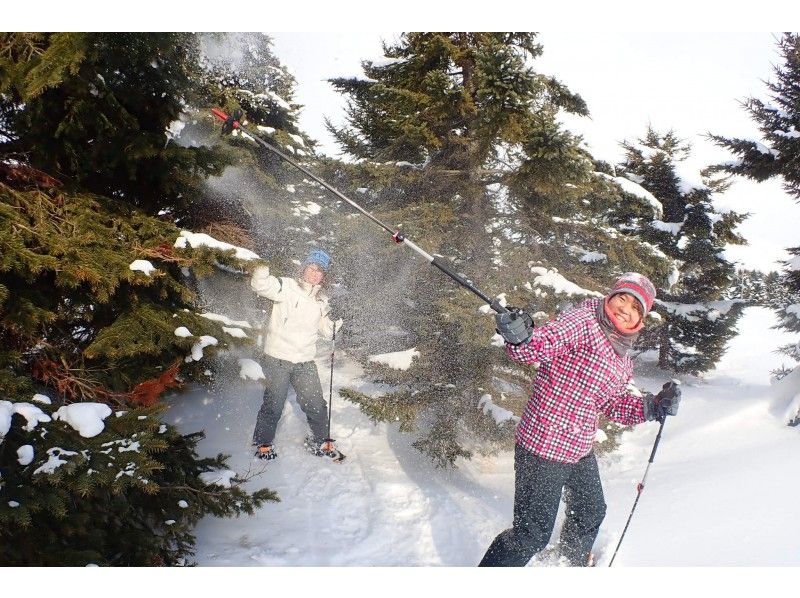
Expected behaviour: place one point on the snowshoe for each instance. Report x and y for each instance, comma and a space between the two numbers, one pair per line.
325, 448
266, 452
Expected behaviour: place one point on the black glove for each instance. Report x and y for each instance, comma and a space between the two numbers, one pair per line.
515, 325
657, 407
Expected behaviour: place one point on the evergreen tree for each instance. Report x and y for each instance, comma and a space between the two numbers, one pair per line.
86, 323
777, 153
263, 196
78, 323
457, 102
97, 111
242, 68
455, 135
749, 286
697, 322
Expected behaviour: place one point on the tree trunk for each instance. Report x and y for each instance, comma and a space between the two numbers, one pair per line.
663, 348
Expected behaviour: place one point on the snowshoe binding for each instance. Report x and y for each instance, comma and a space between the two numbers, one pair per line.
326, 448
266, 452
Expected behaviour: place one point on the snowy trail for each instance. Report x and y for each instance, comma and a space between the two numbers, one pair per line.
385, 504
722, 490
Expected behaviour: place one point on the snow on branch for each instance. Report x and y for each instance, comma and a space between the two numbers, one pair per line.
711, 310
30, 412
225, 320
399, 360
673, 228
195, 240
86, 418
559, 284
144, 266
499, 414
636, 190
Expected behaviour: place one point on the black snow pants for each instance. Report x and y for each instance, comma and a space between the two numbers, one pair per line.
304, 378
537, 494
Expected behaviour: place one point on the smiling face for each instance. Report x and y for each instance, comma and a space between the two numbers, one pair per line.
313, 274
626, 309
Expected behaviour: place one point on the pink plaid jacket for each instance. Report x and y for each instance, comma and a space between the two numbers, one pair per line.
579, 377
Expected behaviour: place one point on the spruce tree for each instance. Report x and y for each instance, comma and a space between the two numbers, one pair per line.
776, 154
264, 196
242, 68
455, 135
697, 323
98, 110
95, 313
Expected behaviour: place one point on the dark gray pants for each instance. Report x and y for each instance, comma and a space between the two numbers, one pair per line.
304, 379
537, 495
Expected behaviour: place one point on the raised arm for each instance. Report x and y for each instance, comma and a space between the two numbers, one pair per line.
266, 285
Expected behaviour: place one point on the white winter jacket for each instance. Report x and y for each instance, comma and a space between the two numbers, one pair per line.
299, 315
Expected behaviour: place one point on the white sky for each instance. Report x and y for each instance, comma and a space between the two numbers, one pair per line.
690, 82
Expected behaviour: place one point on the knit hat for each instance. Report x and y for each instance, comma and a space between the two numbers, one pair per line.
637, 285
319, 258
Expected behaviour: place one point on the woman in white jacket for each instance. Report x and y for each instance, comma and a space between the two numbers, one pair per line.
299, 315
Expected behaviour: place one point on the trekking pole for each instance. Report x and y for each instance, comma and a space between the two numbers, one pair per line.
327, 445
233, 122
330, 399
639, 488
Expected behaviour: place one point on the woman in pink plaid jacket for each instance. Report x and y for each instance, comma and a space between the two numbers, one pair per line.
584, 370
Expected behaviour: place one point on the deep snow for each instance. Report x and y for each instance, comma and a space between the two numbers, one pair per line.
722, 491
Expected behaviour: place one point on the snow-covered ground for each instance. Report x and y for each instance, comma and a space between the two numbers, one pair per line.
722, 491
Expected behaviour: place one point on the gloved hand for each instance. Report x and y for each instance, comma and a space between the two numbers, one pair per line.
515, 325
657, 407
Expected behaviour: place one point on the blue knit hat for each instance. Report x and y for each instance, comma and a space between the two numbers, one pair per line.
318, 257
